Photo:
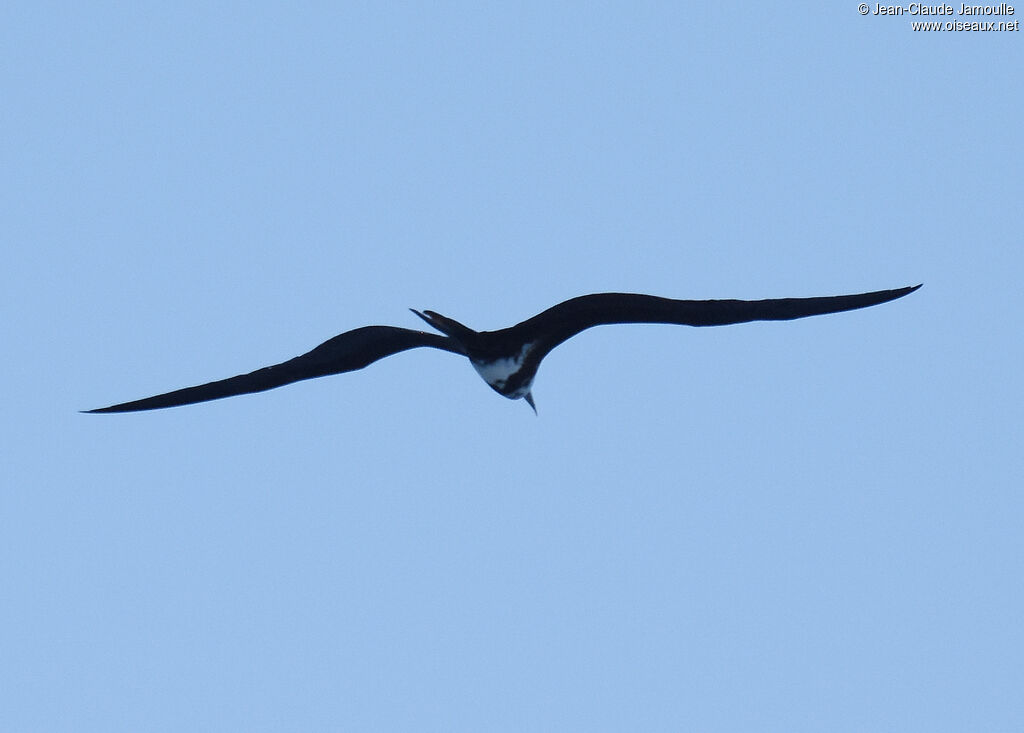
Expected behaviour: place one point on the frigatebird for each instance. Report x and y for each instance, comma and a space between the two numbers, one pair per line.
508, 359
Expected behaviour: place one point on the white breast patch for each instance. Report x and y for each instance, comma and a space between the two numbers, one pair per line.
496, 373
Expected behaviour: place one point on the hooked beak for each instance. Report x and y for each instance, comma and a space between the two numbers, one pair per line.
529, 400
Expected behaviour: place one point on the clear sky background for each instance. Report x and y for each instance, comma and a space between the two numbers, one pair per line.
803, 526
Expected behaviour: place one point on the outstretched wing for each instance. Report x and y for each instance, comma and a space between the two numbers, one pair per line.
345, 353
565, 320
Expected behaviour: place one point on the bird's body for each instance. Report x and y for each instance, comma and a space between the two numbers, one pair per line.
508, 359
501, 373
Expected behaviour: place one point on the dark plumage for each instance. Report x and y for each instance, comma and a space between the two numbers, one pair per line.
508, 359
348, 352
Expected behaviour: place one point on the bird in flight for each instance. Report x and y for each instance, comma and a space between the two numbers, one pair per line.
507, 359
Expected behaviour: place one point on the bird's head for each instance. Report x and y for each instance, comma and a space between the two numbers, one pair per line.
504, 373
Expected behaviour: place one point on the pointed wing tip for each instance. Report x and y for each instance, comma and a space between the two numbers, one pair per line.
905, 291
103, 410
97, 410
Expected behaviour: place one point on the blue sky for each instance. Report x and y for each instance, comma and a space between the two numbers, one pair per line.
811, 525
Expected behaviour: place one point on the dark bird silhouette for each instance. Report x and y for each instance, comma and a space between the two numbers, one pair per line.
508, 359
